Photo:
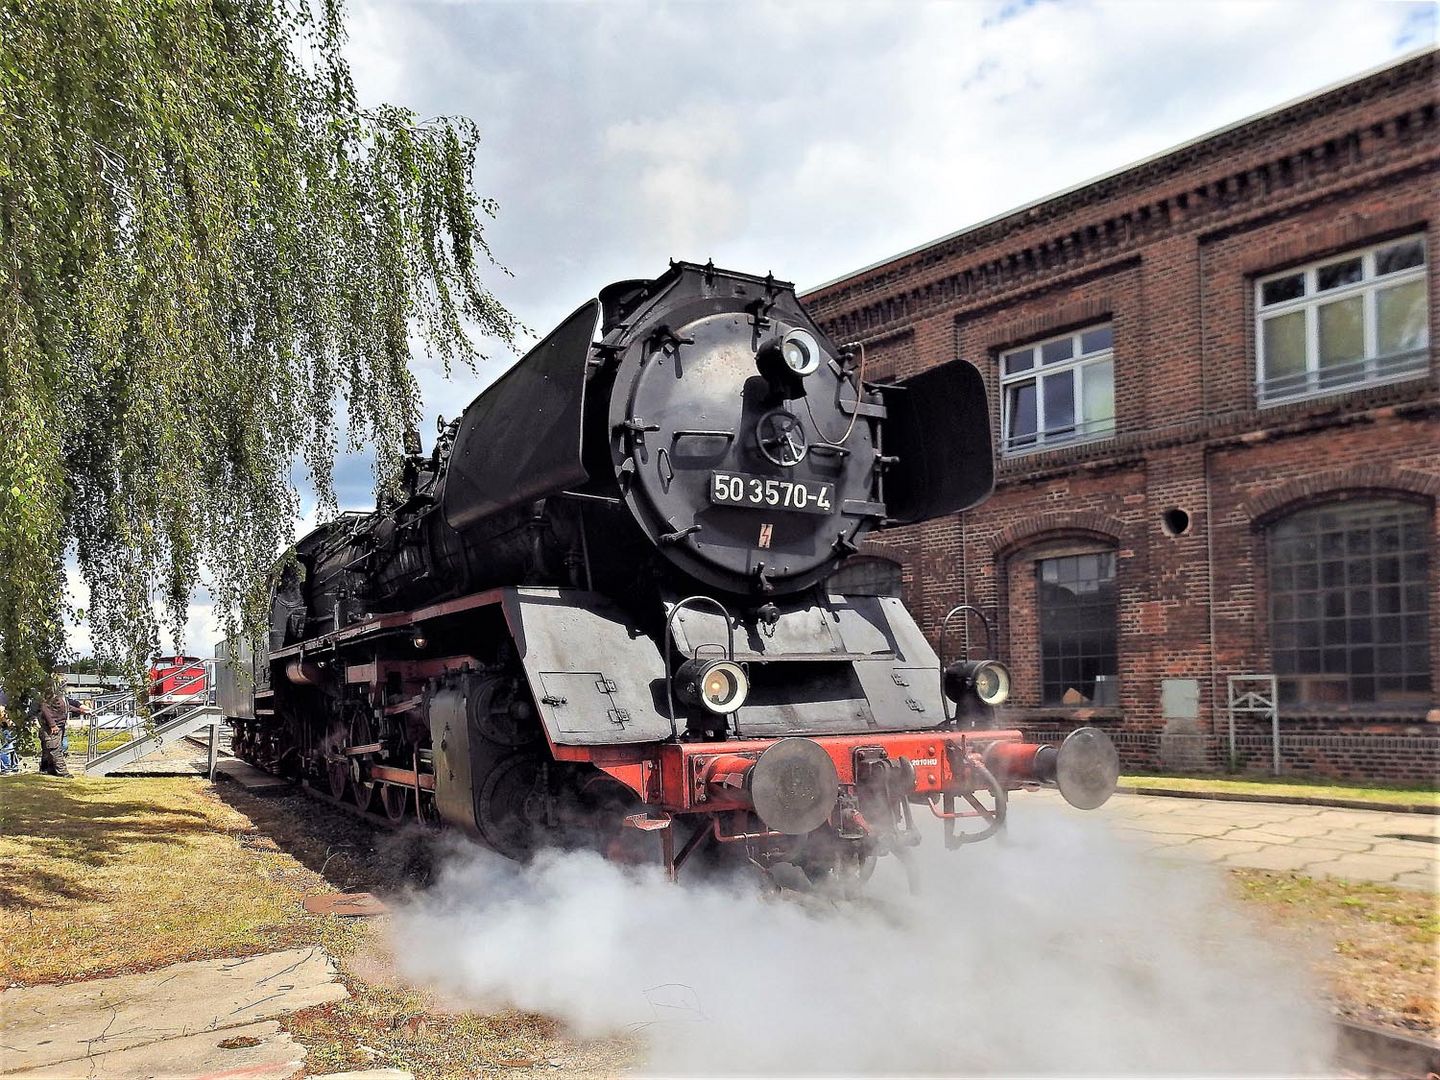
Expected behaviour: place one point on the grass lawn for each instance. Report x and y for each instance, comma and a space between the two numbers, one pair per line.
77, 741
104, 876
110, 875
1380, 794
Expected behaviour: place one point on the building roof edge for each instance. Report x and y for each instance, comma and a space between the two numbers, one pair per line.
1149, 159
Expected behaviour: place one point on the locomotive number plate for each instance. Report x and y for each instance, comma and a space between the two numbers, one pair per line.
766, 492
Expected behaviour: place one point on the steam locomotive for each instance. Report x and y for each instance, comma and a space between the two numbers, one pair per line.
598, 613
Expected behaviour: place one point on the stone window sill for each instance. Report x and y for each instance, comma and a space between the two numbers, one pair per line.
1062, 714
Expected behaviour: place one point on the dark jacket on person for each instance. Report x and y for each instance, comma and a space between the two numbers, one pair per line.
55, 709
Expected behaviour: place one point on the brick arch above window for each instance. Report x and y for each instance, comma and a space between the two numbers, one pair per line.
1055, 525
1357, 481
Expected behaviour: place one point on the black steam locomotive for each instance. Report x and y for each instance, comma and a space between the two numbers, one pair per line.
599, 612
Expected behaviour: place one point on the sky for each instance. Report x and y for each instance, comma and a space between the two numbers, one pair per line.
809, 139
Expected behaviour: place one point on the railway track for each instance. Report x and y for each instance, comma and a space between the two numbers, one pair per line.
370, 817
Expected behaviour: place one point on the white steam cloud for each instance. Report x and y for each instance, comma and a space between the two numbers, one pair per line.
1057, 950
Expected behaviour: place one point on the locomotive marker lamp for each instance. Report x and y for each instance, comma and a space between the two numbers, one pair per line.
801, 353
787, 360
718, 684
989, 680
993, 688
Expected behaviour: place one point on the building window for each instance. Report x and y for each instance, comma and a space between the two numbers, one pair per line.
1349, 321
1078, 618
1060, 390
866, 576
1349, 604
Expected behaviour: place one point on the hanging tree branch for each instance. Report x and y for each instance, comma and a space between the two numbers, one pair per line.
203, 241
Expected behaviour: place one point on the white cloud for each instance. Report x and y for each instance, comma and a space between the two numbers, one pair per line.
813, 138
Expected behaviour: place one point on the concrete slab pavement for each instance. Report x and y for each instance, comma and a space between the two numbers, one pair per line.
250, 778
254, 1051
72, 1026
1362, 845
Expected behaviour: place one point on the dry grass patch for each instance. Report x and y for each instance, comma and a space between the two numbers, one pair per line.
103, 876
1379, 942
109, 875
388, 1025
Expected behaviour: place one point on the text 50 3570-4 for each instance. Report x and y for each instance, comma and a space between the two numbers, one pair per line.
770, 493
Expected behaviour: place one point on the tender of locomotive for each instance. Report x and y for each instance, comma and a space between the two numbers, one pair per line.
599, 614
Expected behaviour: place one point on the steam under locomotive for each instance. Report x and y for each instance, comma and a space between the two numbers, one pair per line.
599, 614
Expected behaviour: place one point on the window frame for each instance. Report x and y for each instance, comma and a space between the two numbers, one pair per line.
1367, 623
1313, 299
1041, 608
1038, 372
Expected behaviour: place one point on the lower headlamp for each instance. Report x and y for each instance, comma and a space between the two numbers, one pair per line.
719, 686
988, 680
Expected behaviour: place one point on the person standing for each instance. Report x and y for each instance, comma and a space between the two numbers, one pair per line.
55, 711
9, 759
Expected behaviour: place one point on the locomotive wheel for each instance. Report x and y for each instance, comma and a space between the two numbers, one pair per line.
506, 804
337, 768
337, 775
361, 786
395, 800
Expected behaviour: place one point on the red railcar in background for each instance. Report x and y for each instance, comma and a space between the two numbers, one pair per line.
178, 679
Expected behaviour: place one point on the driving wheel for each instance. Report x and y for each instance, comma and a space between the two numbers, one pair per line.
395, 800
361, 734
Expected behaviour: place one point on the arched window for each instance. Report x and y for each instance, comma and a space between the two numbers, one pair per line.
1349, 603
1078, 613
866, 575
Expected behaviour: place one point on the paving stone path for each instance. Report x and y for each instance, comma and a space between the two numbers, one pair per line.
1362, 845
201, 1018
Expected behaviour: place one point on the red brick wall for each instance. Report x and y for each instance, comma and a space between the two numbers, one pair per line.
1168, 253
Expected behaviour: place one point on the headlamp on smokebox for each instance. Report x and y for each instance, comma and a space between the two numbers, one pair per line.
988, 680
788, 359
718, 686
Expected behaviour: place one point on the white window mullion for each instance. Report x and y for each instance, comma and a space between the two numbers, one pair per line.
1370, 332
1077, 401
1260, 377
1312, 348
1040, 438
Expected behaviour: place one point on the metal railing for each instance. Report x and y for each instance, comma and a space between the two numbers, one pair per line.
1334, 378
120, 718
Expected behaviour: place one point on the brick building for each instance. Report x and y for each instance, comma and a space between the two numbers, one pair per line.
1213, 398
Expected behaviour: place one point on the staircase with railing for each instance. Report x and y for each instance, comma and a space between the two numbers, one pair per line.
122, 732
